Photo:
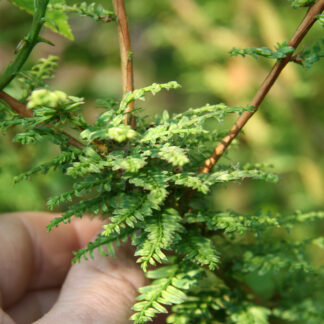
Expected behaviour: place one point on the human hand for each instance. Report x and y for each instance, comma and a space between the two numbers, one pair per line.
38, 283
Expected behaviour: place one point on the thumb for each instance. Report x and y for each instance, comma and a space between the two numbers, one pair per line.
98, 291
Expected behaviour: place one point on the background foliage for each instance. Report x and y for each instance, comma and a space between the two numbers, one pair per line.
189, 41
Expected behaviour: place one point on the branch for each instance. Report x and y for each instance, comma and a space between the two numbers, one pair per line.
126, 56
300, 33
22, 110
29, 42
72, 141
27, 45
16, 105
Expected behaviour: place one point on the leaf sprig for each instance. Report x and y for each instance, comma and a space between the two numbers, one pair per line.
281, 51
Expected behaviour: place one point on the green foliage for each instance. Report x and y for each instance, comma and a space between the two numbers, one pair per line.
55, 108
312, 54
306, 311
58, 162
145, 183
95, 205
26, 45
167, 289
231, 222
93, 10
281, 51
202, 304
128, 210
174, 155
110, 125
136, 186
278, 256
139, 94
38, 75
100, 243
134, 183
160, 232
203, 182
199, 249
56, 19
302, 3
250, 314
320, 19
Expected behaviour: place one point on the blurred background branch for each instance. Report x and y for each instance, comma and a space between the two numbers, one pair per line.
265, 87
126, 55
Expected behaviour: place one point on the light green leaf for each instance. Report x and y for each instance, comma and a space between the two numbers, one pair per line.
174, 155
56, 20
251, 314
302, 3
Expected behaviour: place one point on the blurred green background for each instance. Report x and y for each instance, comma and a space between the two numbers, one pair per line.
187, 41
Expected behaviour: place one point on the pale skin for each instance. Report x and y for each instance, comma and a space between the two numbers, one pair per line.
39, 285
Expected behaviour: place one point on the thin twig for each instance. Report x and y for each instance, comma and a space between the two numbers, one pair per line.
297, 59
300, 33
126, 56
22, 110
72, 141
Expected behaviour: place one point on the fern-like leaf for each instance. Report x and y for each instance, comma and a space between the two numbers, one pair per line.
100, 242
166, 289
198, 249
160, 232
62, 160
92, 10
281, 51
94, 205
139, 94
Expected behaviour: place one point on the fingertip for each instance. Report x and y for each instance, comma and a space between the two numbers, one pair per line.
86, 229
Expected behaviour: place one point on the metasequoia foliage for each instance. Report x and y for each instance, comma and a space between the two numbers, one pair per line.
145, 180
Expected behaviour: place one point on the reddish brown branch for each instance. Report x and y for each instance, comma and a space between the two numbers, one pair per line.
16, 105
126, 56
22, 110
300, 33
